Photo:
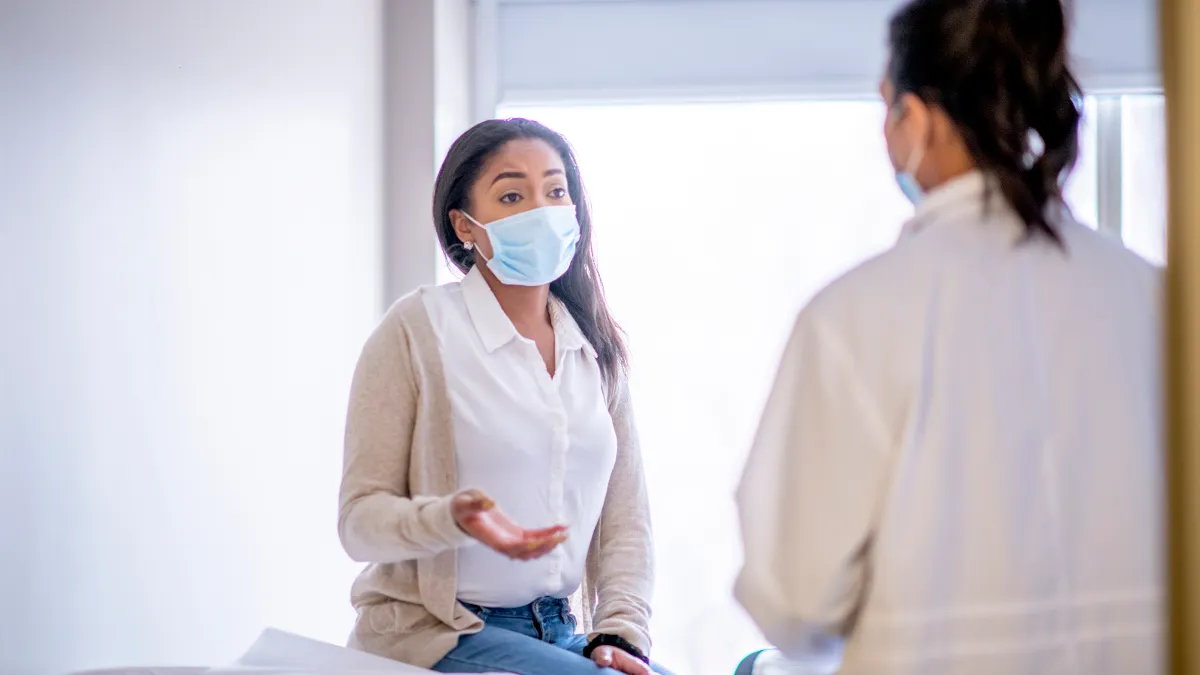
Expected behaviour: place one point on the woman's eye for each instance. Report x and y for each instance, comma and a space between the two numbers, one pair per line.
558, 193
510, 198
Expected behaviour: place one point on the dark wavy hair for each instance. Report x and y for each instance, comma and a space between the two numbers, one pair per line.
580, 289
999, 69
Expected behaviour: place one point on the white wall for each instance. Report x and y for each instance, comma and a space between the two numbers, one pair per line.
190, 240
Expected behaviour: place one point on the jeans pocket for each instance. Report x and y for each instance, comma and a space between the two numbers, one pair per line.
568, 619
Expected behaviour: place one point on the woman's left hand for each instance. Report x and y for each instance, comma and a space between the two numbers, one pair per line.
617, 659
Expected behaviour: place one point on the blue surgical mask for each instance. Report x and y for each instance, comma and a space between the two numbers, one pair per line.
907, 179
534, 247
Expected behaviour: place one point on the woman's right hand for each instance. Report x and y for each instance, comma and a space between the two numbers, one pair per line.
479, 517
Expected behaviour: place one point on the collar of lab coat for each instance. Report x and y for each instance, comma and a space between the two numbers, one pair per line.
964, 193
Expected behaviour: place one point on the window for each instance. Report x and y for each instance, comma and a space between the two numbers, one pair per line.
1144, 176
715, 223
1082, 189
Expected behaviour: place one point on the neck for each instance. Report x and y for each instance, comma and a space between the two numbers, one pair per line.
524, 305
956, 172
952, 164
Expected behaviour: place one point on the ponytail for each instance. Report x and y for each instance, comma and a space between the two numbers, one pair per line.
1000, 71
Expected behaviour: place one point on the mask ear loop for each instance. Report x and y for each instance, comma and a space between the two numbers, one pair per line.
470, 245
917, 155
914, 160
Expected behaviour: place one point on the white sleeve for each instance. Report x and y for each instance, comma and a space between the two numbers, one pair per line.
808, 499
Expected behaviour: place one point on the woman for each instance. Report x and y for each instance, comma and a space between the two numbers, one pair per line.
505, 389
958, 469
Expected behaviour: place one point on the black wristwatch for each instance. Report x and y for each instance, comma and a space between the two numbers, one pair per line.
604, 640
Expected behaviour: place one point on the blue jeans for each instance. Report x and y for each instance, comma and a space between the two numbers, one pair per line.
537, 639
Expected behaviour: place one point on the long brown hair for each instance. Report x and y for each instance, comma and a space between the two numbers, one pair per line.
580, 289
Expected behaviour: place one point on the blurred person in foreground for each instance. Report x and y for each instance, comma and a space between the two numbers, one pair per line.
959, 468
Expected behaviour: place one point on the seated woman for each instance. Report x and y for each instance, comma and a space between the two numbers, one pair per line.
508, 389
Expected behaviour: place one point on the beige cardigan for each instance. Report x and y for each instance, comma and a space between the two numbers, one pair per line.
397, 482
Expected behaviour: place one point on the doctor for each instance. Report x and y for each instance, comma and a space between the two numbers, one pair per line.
958, 471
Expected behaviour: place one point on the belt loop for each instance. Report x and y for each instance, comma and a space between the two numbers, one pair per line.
537, 620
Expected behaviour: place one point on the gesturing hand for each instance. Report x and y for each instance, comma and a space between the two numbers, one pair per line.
479, 517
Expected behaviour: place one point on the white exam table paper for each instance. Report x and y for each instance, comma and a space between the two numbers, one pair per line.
276, 652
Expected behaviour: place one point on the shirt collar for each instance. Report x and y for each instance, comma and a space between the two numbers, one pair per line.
566, 331
963, 193
491, 323
495, 329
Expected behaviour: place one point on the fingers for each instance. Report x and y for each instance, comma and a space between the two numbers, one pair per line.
478, 516
535, 549
525, 544
546, 532
611, 657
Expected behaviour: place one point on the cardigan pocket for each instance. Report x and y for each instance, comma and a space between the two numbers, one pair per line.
397, 618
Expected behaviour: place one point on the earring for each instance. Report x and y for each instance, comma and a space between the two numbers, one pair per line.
470, 245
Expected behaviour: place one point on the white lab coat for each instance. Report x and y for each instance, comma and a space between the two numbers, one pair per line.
958, 471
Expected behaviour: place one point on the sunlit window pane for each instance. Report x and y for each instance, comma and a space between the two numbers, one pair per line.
1080, 190
1144, 176
714, 224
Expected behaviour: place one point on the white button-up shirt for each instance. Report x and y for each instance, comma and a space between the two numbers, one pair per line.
959, 468
543, 448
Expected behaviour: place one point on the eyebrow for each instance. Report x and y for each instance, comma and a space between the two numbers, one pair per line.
517, 174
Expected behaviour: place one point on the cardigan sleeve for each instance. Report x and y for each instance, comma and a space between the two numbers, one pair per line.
621, 557
379, 521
